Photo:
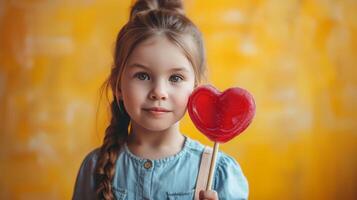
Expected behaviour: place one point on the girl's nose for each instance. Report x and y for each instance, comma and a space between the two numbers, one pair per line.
158, 92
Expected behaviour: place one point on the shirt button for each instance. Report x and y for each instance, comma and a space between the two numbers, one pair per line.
148, 164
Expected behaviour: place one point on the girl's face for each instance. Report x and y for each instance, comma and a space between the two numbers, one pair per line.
156, 84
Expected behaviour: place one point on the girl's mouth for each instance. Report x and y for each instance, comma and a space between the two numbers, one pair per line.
157, 110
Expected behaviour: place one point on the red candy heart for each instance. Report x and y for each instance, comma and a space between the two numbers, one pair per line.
221, 116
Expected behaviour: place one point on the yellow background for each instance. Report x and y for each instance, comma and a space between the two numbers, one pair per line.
298, 59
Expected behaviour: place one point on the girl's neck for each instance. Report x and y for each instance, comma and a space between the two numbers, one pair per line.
155, 145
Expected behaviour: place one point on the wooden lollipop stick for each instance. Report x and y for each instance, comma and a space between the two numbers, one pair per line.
212, 166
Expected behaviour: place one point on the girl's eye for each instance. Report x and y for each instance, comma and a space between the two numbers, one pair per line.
142, 76
176, 78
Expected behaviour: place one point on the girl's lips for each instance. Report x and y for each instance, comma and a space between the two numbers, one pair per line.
157, 109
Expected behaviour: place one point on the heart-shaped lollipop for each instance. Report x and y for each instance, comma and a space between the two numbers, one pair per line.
221, 116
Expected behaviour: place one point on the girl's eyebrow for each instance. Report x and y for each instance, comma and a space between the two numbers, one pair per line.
179, 69
139, 66
175, 69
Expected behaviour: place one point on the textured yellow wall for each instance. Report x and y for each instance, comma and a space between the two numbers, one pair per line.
298, 58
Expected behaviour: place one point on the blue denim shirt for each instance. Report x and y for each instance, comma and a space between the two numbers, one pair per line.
169, 178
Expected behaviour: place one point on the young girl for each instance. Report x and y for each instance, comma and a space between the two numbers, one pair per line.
159, 60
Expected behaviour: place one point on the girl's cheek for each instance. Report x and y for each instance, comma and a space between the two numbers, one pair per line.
185, 94
140, 85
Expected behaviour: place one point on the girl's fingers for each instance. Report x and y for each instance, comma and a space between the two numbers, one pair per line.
208, 195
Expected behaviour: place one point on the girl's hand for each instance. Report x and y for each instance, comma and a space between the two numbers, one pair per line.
208, 195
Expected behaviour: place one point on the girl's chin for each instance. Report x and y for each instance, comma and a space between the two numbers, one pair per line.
157, 128
156, 125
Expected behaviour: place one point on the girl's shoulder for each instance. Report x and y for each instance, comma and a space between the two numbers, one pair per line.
85, 186
229, 180
229, 176
91, 158
88, 164
194, 146
223, 160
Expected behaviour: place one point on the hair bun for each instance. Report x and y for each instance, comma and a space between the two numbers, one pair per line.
147, 5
